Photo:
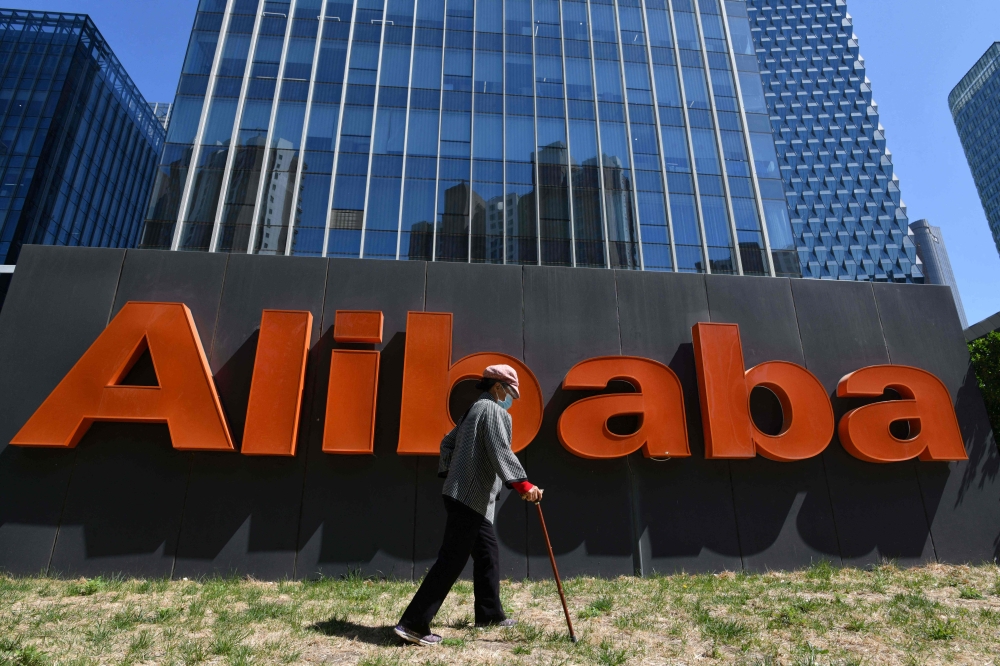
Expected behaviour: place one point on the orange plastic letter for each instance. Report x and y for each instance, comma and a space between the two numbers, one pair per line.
353, 388
429, 377
185, 399
725, 399
926, 404
583, 427
808, 415
279, 376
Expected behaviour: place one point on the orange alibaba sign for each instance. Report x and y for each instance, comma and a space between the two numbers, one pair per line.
187, 402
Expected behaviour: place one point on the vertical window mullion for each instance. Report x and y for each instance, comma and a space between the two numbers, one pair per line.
406, 128
659, 137
569, 147
200, 133
628, 136
234, 137
340, 126
264, 167
437, 166
687, 129
758, 199
734, 237
371, 144
472, 131
305, 128
600, 149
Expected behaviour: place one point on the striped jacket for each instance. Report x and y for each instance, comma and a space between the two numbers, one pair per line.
476, 459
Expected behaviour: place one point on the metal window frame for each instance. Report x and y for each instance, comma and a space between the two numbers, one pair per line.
659, 137
569, 148
437, 164
265, 166
746, 140
406, 131
340, 126
628, 134
534, 143
371, 143
687, 129
227, 172
600, 148
182, 211
289, 242
472, 129
503, 92
734, 238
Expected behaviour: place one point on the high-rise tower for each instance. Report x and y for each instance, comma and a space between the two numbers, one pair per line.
79, 144
847, 217
609, 133
975, 106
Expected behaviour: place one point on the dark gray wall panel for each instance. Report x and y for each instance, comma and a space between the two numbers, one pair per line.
683, 507
877, 508
241, 513
59, 302
922, 329
783, 509
124, 503
570, 316
192, 278
487, 307
358, 511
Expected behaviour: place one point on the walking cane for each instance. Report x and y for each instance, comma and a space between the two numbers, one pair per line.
555, 570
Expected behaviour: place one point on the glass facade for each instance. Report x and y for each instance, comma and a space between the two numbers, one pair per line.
975, 106
847, 219
78, 144
603, 133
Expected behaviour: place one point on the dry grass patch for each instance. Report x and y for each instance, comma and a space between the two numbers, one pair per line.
820, 616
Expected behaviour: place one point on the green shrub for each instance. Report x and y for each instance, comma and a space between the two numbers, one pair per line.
986, 360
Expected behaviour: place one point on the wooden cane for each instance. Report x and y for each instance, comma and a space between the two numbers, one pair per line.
555, 570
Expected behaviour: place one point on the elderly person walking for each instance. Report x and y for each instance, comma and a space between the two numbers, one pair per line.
476, 462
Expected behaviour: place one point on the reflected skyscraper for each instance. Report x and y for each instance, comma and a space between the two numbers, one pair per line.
601, 133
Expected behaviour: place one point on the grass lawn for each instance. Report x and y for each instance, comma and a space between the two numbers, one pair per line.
930, 615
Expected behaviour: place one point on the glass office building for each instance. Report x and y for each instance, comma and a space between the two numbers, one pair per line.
609, 133
975, 106
79, 145
847, 218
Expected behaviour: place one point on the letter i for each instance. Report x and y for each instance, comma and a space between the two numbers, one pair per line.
353, 387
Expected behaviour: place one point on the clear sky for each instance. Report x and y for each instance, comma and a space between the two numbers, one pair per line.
915, 52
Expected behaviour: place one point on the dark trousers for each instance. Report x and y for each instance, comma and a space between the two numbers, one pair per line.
466, 532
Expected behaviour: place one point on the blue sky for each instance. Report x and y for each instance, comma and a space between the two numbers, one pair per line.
915, 53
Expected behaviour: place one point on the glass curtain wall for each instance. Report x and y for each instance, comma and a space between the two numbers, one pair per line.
172, 174
598, 133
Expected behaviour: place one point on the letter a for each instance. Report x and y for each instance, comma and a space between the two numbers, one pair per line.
185, 399
583, 427
926, 404
429, 377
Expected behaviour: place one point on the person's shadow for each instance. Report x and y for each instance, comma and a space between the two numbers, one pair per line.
383, 636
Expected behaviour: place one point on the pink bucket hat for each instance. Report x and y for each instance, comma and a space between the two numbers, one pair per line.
505, 374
